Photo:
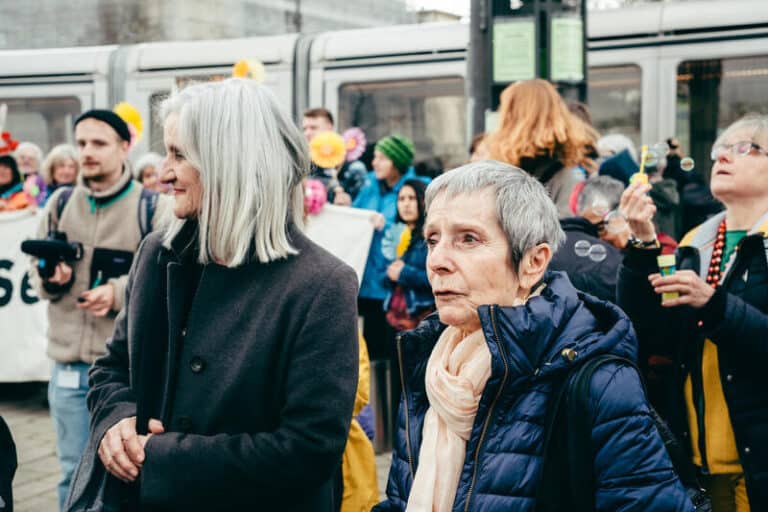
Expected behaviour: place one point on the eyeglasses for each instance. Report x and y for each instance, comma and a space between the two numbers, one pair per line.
612, 221
742, 148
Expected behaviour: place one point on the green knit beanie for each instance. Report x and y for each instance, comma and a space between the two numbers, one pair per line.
397, 148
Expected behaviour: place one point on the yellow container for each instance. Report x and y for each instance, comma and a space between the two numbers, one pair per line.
667, 266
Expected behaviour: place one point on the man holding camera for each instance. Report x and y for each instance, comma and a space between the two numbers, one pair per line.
108, 213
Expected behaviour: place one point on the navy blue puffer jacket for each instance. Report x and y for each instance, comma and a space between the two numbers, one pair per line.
503, 462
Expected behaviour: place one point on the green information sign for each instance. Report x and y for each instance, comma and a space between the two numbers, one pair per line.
514, 50
567, 51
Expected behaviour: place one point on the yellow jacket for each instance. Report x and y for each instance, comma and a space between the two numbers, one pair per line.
358, 464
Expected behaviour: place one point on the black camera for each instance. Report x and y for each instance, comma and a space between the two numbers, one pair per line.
52, 250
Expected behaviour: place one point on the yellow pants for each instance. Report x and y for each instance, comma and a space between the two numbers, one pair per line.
728, 492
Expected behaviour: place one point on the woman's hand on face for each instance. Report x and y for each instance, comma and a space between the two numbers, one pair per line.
637, 206
693, 290
394, 269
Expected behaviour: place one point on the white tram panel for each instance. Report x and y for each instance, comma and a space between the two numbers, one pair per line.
152, 70
385, 54
46, 88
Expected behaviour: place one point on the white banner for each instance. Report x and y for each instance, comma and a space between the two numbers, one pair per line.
23, 316
344, 232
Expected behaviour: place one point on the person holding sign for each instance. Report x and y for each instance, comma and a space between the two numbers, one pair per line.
12, 194
714, 306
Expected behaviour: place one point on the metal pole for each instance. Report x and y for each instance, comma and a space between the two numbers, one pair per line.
479, 78
297, 21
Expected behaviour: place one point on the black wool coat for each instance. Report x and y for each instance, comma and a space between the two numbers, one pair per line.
253, 374
593, 266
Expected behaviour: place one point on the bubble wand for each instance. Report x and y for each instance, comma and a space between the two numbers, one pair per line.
640, 176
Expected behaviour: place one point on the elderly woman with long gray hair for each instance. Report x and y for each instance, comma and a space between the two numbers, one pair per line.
229, 382
481, 376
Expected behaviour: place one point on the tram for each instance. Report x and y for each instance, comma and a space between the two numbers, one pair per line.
684, 69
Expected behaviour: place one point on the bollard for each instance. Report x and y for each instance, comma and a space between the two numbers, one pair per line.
380, 399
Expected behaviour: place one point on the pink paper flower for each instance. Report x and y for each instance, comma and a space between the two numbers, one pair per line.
315, 196
354, 141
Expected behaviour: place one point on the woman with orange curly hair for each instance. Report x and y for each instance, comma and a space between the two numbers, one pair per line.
538, 134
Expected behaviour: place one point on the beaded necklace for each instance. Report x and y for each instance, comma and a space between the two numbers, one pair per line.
715, 274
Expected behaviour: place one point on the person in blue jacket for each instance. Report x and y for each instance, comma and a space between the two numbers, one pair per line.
478, 375
393, 156
409, 298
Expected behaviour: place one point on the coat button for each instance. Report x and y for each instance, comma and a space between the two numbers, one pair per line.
729, 377
196, 364
747, 450
185, 423
184, 331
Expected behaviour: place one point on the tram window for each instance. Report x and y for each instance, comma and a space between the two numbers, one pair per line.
156, 126
615, 100
44, 121
431, 112
712, 94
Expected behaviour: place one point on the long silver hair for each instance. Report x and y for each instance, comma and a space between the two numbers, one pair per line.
251, 159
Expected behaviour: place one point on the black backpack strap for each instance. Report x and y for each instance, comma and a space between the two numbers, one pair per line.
147, 206
567, 479
550, 495
61, 203
580, 423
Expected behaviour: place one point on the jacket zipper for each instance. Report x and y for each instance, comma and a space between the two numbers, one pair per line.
405, 405
490, 409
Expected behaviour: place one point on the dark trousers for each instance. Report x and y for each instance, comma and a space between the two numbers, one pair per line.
380, 339
379, 335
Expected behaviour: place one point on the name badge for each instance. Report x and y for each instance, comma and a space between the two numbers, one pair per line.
69, 379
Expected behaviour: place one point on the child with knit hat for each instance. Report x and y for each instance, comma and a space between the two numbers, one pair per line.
392, 167
398, 149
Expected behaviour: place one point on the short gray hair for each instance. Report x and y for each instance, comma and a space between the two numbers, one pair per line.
757, 123
34, 148
600, 189
251, 158
58, 155
524, 210
150, 159
614, 143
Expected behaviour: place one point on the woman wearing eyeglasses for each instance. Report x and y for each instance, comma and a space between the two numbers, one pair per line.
719, 319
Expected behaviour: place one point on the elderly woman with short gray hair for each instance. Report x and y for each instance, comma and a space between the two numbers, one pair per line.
480, 375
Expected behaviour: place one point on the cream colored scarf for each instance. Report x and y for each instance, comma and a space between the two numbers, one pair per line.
457, 372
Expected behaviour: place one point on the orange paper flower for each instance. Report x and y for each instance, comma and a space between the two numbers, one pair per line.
252, 69
132, 118
327, 150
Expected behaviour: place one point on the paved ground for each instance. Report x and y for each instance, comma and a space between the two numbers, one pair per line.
23, 408
34, 488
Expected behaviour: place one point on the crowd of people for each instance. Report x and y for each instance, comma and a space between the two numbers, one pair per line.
488, 290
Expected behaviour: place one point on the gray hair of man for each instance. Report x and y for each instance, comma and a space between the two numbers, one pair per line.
251, 158
31, 147
147, 160
57, 156
599, 190
757, 124
524, 210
